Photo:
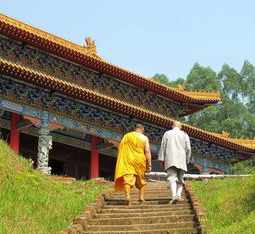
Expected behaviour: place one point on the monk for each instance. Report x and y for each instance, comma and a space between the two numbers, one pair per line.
175, 152
134, 159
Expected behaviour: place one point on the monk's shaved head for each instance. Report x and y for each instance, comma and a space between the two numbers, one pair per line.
138, 126
177, 124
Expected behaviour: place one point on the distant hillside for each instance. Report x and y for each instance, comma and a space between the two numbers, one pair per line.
230, 204
32, 203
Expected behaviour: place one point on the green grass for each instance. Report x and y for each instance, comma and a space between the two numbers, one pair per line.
32, 203
229, 204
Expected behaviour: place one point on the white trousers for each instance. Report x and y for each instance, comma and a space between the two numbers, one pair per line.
176, 181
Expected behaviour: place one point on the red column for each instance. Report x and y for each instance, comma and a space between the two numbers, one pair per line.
14, 141
94, 158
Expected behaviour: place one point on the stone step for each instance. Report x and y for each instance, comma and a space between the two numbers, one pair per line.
148, 198
158, 191
158, 199
126, 210
141, 220
136, 195
153, 216
184, 205
154, 231
144, 214
136, 202
153, 187
145, 194
141, 227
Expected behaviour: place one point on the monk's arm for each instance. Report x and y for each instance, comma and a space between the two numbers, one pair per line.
161, 155
188, 149
147, 153
115, 143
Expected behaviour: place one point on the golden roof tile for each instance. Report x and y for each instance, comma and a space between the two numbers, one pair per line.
86, 55
114, 104
88, 48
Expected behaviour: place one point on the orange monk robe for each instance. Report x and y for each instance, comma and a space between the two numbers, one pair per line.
131, 160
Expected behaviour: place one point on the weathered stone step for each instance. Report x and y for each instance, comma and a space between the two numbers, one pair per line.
149, 206
141, 210
152, 187
141, 220
141, 227
135, 198
146, 195
152, 200
158, 191
136, 202
144, 214
148, 190
155, 231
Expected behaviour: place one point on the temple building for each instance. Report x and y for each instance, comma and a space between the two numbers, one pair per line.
60, 103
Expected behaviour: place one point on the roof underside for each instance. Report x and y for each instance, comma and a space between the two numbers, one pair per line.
75, 91
80, 55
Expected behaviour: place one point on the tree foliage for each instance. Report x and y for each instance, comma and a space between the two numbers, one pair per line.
236, 113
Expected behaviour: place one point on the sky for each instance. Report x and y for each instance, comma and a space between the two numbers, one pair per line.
150, 36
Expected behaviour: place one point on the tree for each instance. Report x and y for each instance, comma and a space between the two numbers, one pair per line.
231, 83
236, 113
161, 78
202, 78
248, 86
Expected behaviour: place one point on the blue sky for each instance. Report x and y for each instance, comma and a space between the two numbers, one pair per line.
149, 37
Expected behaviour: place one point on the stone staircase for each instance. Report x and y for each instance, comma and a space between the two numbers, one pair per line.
153, 216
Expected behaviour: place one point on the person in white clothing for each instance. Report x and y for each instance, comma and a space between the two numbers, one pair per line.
175, 153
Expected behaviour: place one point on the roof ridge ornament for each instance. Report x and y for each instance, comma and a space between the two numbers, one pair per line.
90, 47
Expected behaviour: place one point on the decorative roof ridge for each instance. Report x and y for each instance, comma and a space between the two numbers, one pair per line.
193, 94
79, 54
82, 93
202, 94
88, 48
245, 142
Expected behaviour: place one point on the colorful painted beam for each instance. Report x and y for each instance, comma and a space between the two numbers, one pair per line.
52, 44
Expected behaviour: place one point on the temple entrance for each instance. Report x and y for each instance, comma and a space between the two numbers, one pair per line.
57, 167
64, 160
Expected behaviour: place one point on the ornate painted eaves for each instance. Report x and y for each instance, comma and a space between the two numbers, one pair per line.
88, 57
71, 90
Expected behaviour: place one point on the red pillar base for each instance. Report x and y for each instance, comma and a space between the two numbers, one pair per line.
15, 139
94, 158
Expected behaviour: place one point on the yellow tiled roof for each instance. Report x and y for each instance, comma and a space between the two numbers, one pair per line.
88, 49
38, 78
249, 143
80, 54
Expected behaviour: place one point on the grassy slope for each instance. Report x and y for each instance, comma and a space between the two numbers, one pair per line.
229, 204
34, 203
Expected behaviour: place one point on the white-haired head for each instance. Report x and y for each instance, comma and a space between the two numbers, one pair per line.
177, 124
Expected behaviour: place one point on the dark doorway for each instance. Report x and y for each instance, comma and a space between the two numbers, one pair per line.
107, 167
57, 167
